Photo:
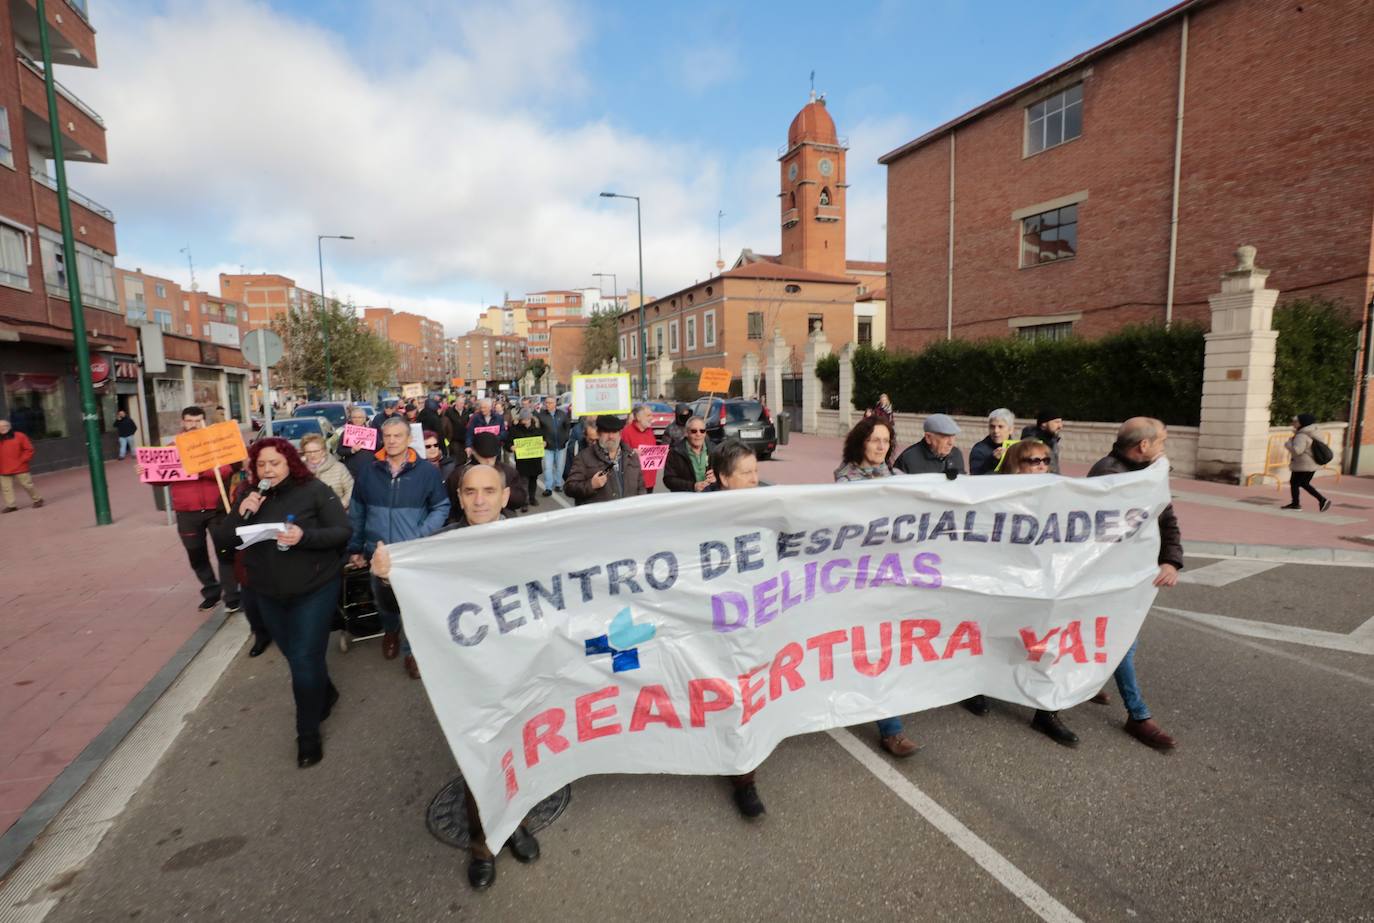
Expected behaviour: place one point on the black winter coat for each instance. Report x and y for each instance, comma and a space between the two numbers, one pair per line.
1170, 535
678, 474
312, 562
918, 459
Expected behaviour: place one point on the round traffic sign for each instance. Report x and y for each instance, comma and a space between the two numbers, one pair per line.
262, 347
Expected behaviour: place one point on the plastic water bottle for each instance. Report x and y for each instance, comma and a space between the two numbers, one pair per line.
290, 518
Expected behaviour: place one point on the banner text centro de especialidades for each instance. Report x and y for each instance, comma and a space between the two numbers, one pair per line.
691, 633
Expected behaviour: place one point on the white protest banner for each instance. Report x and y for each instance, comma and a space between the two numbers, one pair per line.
359, 437
690, 633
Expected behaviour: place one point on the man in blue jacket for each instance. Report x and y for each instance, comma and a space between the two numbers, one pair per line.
397, 497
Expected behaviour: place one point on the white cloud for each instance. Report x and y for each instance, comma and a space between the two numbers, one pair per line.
243, 128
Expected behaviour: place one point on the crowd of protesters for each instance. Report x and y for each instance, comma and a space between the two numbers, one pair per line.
345, 509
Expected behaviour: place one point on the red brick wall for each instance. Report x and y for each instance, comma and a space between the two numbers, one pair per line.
1277, 143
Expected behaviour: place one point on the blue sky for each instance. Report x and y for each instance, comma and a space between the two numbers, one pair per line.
464, 144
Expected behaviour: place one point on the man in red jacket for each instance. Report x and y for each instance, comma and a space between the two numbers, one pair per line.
640, 433
199, 512
15, 453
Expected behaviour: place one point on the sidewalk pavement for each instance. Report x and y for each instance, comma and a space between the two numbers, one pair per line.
1207, 511
88, 615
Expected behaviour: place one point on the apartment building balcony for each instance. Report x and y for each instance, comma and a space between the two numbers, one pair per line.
83, 130
789, 218
92, 223
69, 29
828, 213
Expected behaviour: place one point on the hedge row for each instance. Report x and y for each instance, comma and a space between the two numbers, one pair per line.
1313, 361
1138, 371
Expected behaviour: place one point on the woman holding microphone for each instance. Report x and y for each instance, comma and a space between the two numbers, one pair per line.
295, 578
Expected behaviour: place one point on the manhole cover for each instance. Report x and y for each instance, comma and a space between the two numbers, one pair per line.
447, 817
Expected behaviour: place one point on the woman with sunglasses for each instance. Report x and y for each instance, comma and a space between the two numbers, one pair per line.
868, 455
1030, 456
434, 454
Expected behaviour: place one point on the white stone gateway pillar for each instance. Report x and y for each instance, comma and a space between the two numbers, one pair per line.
663, 376
1238, 374
749, 375
817, 348
847, 387
777, 361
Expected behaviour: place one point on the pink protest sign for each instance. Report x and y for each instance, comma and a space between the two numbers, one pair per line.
160, 464
494, 430
359, 437
652, 457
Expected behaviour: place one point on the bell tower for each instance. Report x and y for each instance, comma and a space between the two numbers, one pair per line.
813, 193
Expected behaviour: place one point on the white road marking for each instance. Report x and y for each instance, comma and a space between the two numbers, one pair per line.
1226, 571
1269, 649
994, 863
1184, 496
1359, 641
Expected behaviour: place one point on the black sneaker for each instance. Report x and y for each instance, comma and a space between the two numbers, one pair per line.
1291, 506
1324, 506
748, 801
207, 605
977, 704
548, 493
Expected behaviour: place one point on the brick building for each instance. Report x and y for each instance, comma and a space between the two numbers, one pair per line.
810, 282
489, 357
1050, 209
214, 318
264, 296
38, 385
567, 340
144, 297
542, 310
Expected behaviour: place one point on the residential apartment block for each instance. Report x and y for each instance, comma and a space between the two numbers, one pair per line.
484, 356
544, 309
145, 298
264, 296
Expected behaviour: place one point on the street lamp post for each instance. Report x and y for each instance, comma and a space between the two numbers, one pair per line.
643, 356
324, 311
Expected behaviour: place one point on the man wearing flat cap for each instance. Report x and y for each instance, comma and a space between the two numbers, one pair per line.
604, 470
936, 453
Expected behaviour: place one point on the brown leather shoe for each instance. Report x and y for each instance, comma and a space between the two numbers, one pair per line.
391, 644
1101, 699
900, 745
1149, 733
412, 668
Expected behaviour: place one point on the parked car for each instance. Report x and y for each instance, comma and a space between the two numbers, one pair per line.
296, 428
336, 412
663, 418
744, 419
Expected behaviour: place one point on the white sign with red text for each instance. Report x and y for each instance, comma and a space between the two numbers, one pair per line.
691, 633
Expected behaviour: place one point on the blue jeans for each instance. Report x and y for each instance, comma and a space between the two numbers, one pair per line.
888, 727
390, 610
554, 460
1128, 687
300, 627
126, 445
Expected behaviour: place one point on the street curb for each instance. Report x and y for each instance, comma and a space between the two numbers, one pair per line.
1299, 554
17, 840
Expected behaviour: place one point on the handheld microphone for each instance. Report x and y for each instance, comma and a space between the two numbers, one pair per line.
263, 487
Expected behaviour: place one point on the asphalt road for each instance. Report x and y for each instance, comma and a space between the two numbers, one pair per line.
1265, 811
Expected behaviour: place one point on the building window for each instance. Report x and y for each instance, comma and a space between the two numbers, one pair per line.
6, 151
1058, 331
708, 328
865, 331
791, 289
14, 257
814, 322
623, 352
1055, 120
825, 196
1049, 236
634, 347
163, 320
691, 334
672, 337
755, 321
161, 290
658, 339
36, 405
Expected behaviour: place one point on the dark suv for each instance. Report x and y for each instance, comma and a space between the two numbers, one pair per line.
741, 418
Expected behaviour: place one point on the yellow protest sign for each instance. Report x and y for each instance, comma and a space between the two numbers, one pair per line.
714, 381
211, 447
529, 447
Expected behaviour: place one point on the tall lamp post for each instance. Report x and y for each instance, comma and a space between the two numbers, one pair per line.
643, 356
328, 366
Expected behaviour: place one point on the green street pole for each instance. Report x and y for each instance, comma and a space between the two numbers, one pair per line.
100, 492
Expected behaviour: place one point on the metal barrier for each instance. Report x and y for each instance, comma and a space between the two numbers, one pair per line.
1276, 457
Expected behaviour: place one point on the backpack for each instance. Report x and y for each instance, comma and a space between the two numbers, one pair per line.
1321, 452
